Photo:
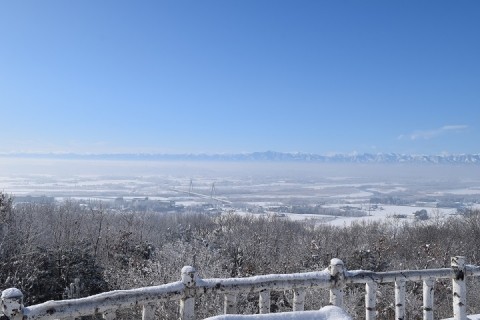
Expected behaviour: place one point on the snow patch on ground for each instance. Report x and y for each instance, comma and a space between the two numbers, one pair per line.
471, 317
359, 194
387, 190
326, 313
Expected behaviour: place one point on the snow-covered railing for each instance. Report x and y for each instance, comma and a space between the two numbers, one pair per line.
335, 278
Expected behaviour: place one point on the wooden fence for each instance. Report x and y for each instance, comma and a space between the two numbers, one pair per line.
334, 278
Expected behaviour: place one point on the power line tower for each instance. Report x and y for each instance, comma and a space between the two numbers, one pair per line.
190, 189
213, 192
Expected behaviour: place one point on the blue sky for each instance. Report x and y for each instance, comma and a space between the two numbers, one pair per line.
221, 76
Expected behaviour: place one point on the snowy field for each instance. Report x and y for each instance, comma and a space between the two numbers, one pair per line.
379, 191
387, 212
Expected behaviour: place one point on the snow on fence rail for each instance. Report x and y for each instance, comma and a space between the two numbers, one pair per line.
335, 278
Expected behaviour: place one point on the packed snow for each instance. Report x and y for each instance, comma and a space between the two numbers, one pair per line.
326, 313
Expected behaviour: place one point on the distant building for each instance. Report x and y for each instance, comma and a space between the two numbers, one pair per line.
421, 214
118, 203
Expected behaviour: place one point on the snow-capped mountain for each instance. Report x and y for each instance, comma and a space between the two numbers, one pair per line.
270, 156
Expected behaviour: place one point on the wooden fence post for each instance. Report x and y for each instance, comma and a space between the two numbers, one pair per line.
109, 315
400, 299
230, 303
12, 303
264, 301
337, 277
459, 288
370, 300
428, 290
187, 303
299, 300
148, 312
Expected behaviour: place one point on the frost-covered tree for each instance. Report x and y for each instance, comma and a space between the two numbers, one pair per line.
5, 219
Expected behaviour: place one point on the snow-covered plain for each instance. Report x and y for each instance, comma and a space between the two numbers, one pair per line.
254, 187
387, 212
392, 212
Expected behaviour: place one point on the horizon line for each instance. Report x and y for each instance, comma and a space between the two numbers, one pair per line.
327, 154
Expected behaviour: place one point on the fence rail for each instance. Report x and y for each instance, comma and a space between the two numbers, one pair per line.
334, 278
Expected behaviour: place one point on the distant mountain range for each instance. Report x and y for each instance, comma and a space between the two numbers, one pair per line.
267, 156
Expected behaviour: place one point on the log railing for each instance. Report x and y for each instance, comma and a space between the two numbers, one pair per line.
334, 278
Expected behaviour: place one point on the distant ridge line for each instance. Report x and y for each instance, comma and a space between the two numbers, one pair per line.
267, 156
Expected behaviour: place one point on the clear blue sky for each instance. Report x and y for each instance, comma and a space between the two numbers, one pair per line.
221, 76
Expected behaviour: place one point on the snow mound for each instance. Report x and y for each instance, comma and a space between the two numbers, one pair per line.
470, 317
326, 313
